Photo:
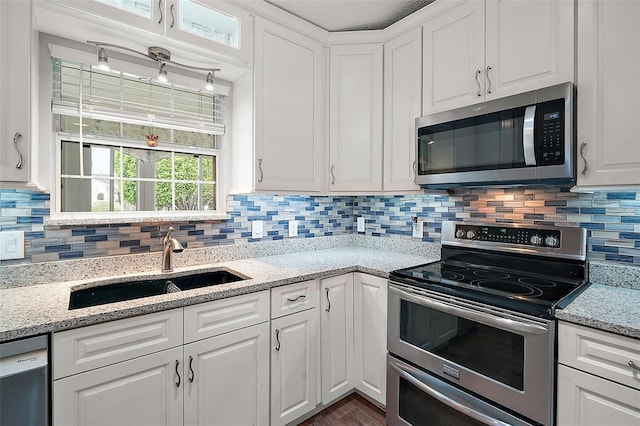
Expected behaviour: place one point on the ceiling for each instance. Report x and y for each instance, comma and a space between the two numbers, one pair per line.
350, 15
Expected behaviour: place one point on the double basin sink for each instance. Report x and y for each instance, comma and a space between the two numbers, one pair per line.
128, 290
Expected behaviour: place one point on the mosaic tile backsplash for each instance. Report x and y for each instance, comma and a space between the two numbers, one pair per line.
612, 220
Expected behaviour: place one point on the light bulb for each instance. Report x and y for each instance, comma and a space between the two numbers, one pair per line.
162, 73
103, 59
209, 85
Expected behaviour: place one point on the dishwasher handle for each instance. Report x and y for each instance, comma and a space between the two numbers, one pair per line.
21, 363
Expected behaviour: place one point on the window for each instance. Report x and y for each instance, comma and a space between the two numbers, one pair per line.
131, 144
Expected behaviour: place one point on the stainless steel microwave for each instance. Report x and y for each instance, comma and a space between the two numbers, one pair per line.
522, 139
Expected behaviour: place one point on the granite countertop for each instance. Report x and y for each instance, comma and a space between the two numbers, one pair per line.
607, 308
33, 305
37, 309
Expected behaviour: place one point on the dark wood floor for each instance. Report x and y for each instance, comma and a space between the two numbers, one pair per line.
350, 411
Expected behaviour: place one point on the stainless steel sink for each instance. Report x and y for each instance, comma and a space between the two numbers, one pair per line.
128, 290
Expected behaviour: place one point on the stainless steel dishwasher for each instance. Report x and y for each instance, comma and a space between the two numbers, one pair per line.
24, 382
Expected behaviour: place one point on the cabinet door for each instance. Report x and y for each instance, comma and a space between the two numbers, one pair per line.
227, 378
529, 45
289, 115
217, 26
355, 125
454, 57
370, 319
402, 105
141, 391
294, 352
15, 90
588, 400
148, 15
608, 92
336, 336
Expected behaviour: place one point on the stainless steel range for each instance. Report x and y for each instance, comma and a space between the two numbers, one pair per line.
472, 337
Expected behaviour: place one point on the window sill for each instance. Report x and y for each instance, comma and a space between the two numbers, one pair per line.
147, 217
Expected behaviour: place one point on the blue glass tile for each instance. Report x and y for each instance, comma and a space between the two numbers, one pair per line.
80, 231
619, 258
567, 210
555, 203
606, 249
629, 203
70, 254
33, 235
93, 238
30, 219
57, 248
588, 225
533, 216
621, 195
504, 209
196, 232
36, 196
129, 243
478, 215
278, 237
224, 236
621, 227
7, 204
146, 249
592, 210
630, 219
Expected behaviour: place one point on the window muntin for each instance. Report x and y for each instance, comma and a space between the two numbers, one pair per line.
108, 162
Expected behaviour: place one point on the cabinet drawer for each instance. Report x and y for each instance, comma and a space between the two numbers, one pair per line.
221, 316
95, 346
603, 354
294, 298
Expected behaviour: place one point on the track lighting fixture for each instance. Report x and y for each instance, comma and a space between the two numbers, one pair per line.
162, 73
160, 55
103, 59
209, 85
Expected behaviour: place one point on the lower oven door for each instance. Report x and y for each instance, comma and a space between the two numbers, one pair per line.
413, 396
505, 357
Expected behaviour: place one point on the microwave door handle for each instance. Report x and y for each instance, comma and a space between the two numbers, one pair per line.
528, 141
481, 417
502, 323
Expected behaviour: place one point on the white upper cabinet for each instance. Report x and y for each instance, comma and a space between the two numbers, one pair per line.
476, 51
289, 110
608, 93
15, 90
402, 105
355, 123
219, 27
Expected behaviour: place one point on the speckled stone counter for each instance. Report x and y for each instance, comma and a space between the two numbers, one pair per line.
608, 308
35, 309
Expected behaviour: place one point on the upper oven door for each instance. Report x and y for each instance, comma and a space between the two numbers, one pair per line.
520, 138
506, 357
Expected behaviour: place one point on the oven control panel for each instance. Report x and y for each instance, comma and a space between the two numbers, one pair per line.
497, 234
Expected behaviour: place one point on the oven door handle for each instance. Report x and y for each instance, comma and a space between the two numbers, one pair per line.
481, 417
502, 323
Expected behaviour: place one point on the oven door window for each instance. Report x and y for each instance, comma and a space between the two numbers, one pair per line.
488, 142
486, 350
414, 408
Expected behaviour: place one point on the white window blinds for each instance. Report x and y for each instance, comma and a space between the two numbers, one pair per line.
85, 91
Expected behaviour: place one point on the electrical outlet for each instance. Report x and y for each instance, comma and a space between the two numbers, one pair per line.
293, 228
417, 227
360, 224
256, 229
11, 245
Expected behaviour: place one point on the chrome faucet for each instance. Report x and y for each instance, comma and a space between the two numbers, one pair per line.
169, 245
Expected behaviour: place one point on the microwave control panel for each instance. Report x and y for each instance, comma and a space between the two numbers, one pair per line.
550, 133
522, 236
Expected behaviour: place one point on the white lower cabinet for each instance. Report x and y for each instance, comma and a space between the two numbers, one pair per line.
370, 331
294, 358
227, 378
142, 391
597, 381
336, 336
139, 371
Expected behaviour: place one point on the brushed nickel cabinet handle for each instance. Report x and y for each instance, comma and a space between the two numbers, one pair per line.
178, 374
260, 168
173, 18
302, 296
160, 9
328, 308
488, 78
478, 72
15, 146
583, 145
277, 340
634, 365
333, 176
